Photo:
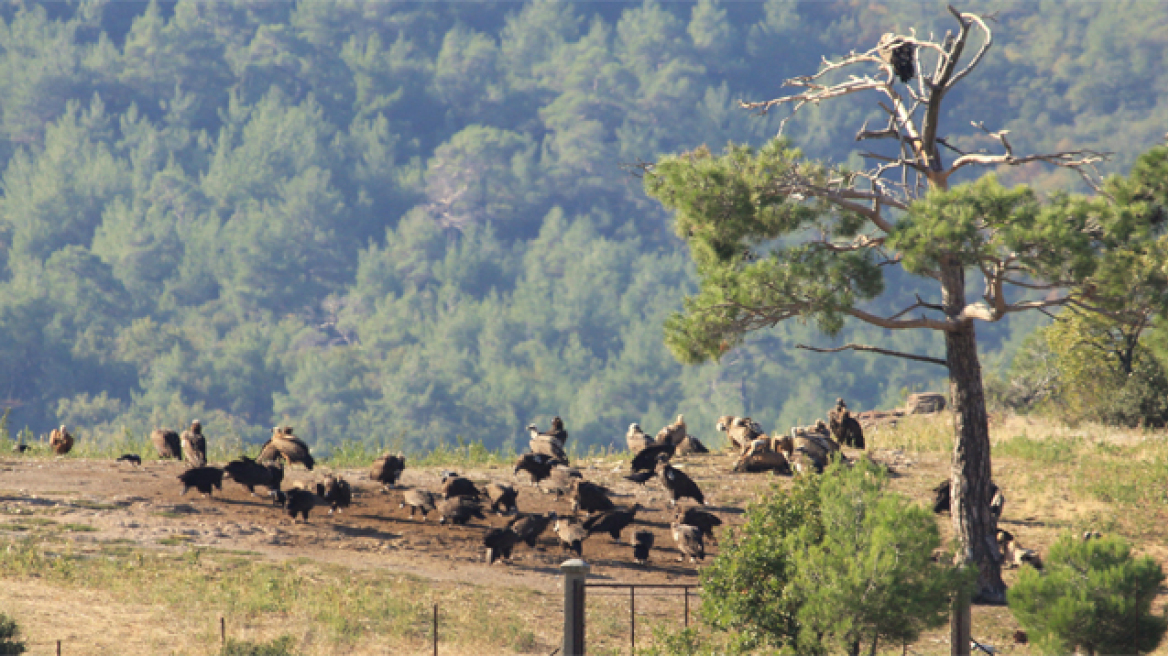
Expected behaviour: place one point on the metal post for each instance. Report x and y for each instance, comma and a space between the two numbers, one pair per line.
632, 620
435, 630
222, 631
960, 625
58, 648
685, 591
575, 571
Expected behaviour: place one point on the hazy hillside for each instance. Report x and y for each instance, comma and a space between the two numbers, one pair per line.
407, 222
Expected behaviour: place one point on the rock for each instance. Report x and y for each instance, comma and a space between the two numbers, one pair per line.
925, 403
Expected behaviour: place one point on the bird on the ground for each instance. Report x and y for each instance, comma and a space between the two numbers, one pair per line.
459, 510
538, 465
387, 470
704, 521
679, 484
297, 501
202, 479
673, 433
571, 535
530, 527
458, 486
844, 427
806, 460
419, 500
557, 432
60, 440
1014, 553
636, 439
249, 473
689, 541
167, 443
642, 543
499, 543
194, 445
502, 498
283, 444
19, 448
546, 443
560, 481
690, 446
336, 492
942, 499
641, 477
612, 521
647, 459
590, 497
132, 458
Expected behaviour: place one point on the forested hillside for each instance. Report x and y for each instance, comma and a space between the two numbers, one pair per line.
409, 222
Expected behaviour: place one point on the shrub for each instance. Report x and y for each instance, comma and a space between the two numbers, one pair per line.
10, 642
281, 646
1093, 597
835, 563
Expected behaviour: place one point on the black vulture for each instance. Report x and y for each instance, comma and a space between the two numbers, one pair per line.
457, 486
499, 543
897, 52
19, 448
530, 527
459, 510
680, 485
387, 470
642, 543
202, 479
844, 427
502, 498
612, 521
636, 439
60, 440
249, 473
641, 477
557, 432
419, 500
131, 458
689, 541
336, 492
283, 444
571, 535
590, 497
647, 460
539, 465
297, 502
942, 499
704, 521
167, 443
194, 445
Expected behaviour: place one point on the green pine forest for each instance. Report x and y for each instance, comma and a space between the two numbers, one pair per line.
407, 224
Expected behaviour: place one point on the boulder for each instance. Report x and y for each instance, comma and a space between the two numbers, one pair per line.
924, 403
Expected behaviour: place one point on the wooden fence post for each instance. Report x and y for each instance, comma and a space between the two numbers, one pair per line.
575, 572
960, 631
435, 629
222, 631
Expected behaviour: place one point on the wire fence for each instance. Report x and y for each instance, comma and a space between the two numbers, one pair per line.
659, 589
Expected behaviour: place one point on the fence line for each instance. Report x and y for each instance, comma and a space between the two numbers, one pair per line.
684, 587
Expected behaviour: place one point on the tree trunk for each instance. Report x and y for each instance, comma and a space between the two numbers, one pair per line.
973, 522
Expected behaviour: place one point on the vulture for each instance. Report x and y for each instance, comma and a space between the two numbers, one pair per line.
571, 535
297, 501
690, 445
418, 500
60, 440
679, 485
997, 502
530, 527
387, 470
249, 473
805, 460
546, 444
740, 431
636, 439
689, 542
897, 53
761, 457
590, 497
942, 500
167, 443
502, 498
560, 481
19, 448
641, 477
557, 432
611, 522
194, 445
704, 521
457, 486
1015, 554
499, 543
538, 465
642, 543
844, 427
336, 492
283, 444
647, 460
459, 510
819, 444
202, 479
131, 458
673, 433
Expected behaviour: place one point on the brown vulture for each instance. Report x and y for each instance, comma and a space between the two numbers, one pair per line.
283, 444
690, 445
571, 535
673, 433
546, 444
459, 510
689, 541
636, 439
530, 527
167, 443
60, 440
194, 445
502, 498
419, 500
387, 470
704, 521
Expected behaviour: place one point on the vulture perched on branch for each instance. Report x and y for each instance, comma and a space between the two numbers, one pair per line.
673, 433
898, 53
387, 470
679, 485
202, 479
167, 443
249, 473
689, 542
283, 444
194, 445
499, 543
419, 500
60, 440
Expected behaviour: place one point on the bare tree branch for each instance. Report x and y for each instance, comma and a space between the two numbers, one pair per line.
873, 349
944, 325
